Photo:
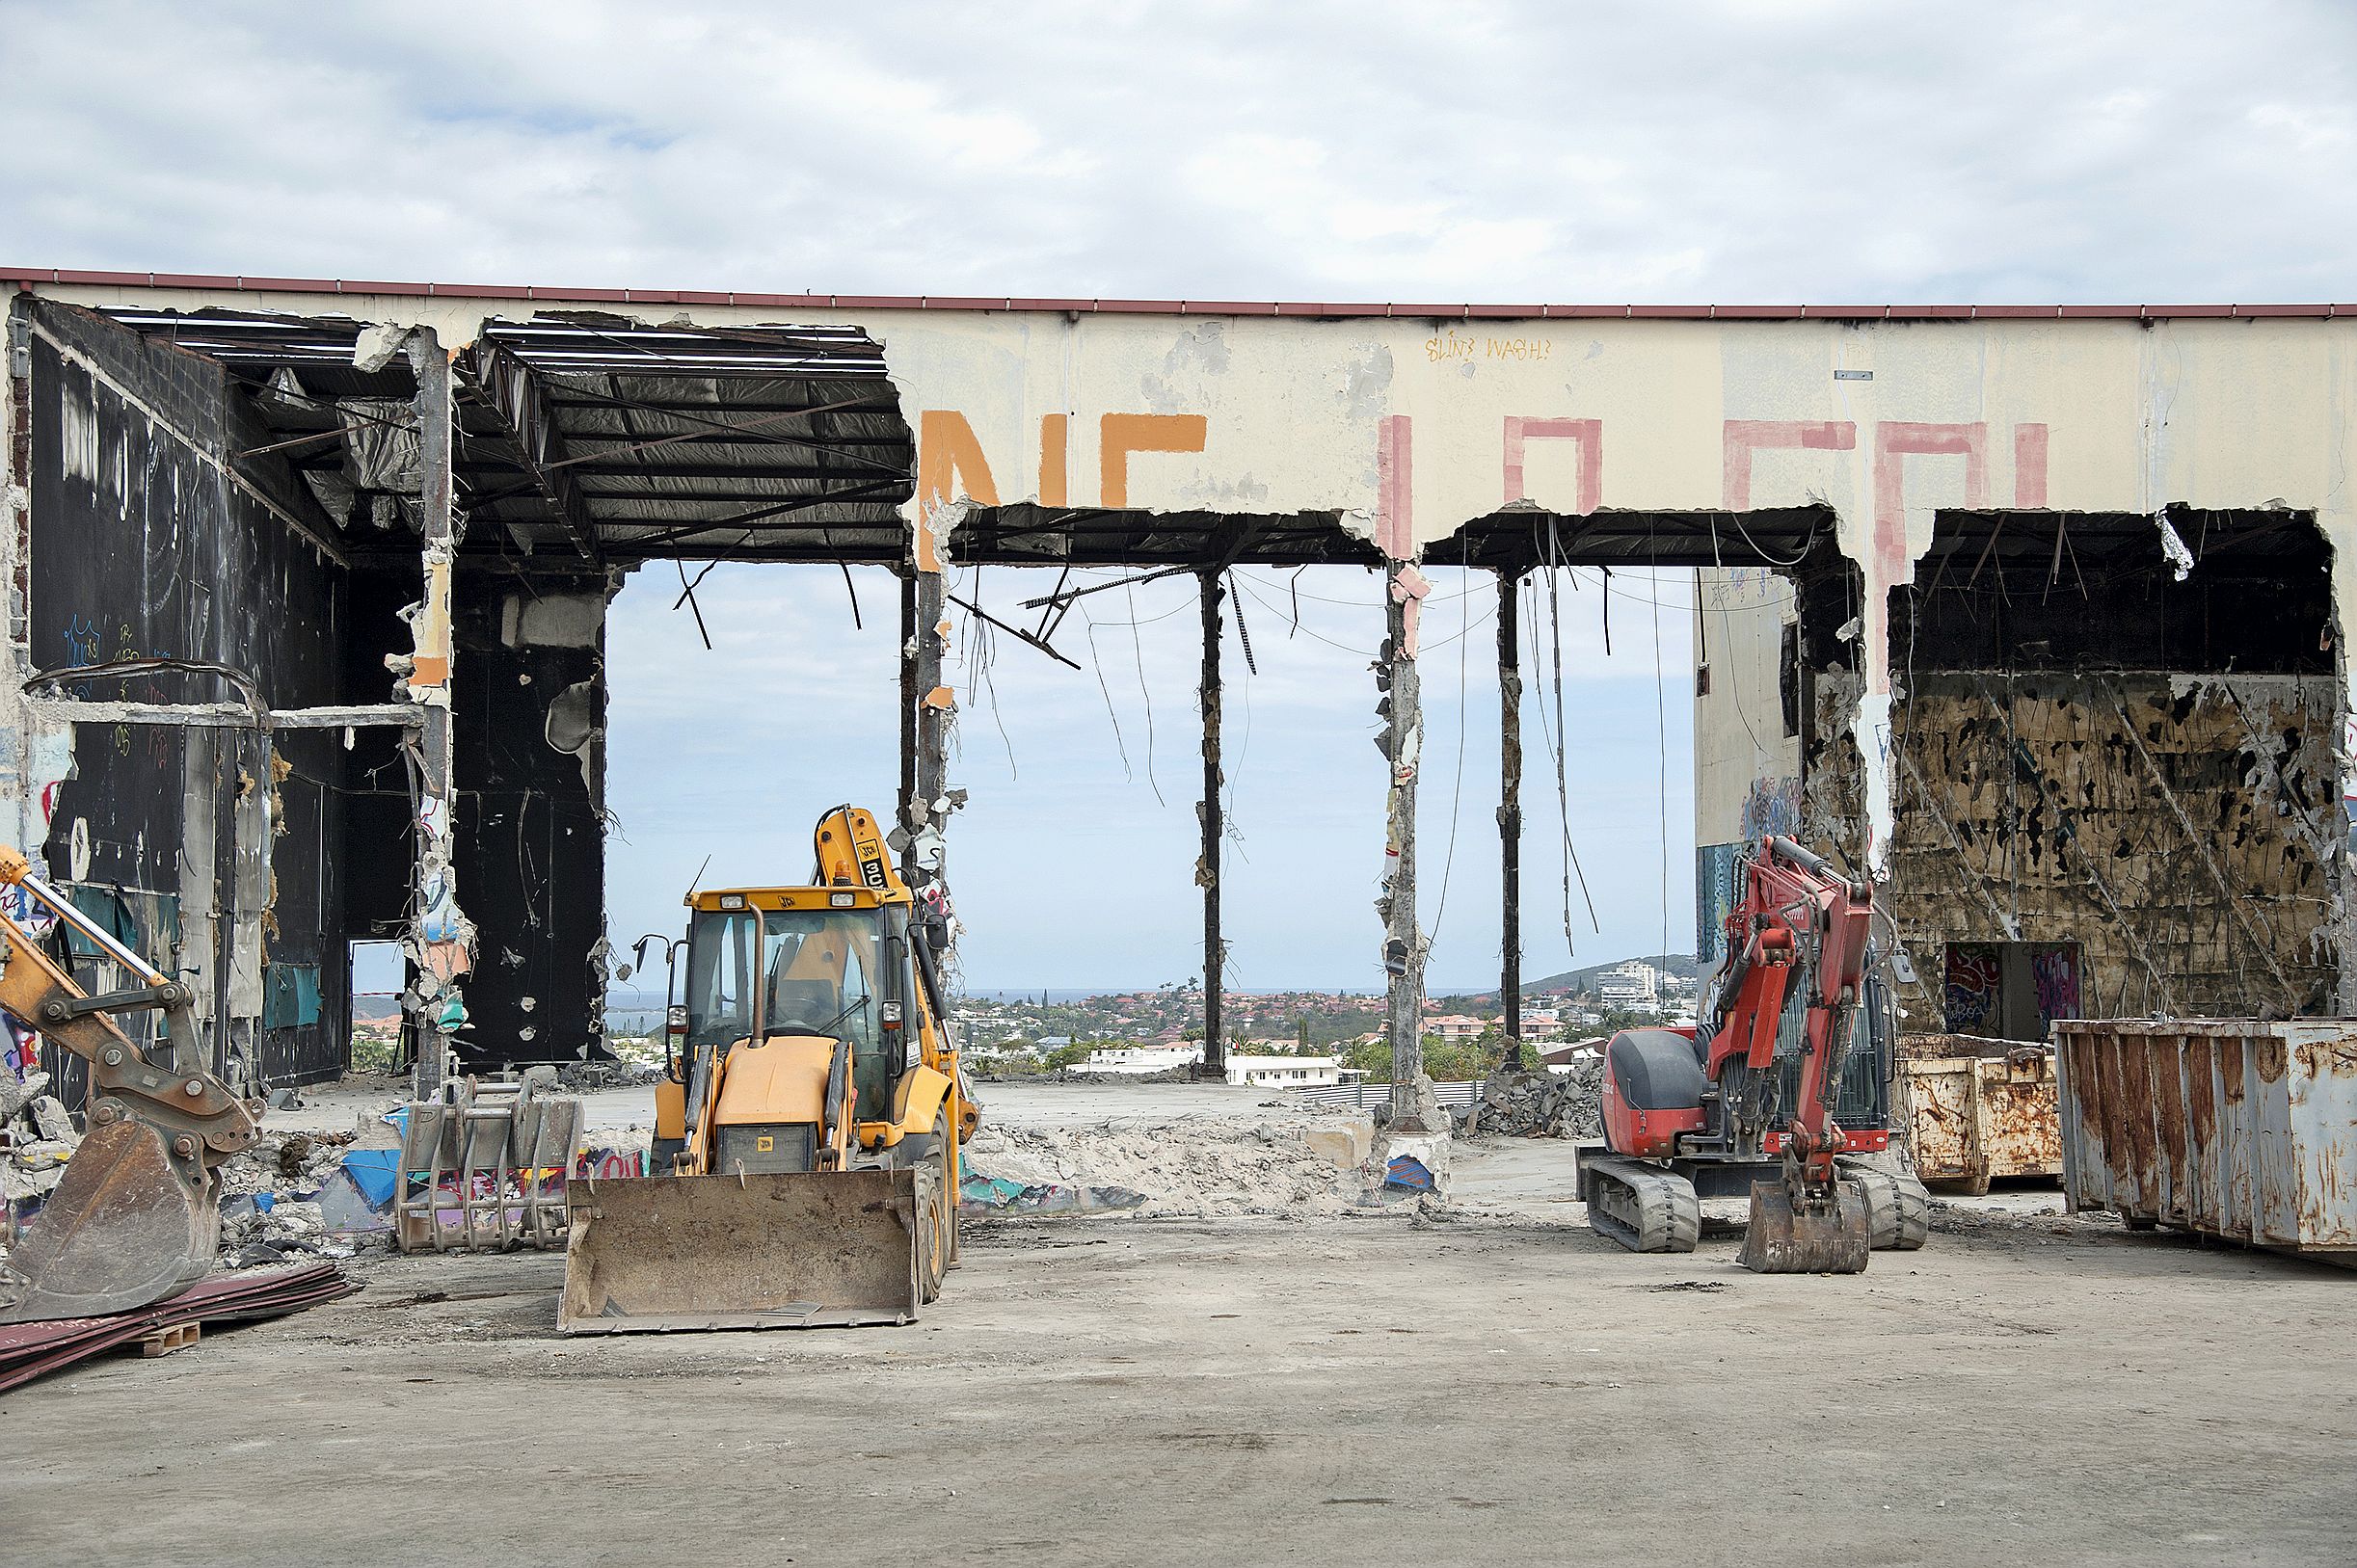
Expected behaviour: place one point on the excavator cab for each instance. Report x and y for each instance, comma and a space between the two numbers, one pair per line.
807, 1131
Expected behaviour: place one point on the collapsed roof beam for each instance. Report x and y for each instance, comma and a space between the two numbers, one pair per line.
507, 383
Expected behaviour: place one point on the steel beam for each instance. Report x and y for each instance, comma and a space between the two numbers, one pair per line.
440, 942
514, 393
1207, 811
1510, 813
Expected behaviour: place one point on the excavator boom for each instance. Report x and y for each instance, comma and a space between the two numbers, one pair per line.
1810, 1220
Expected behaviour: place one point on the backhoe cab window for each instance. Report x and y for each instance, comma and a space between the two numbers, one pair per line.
820, 969
785, 971
754, 973
720, 949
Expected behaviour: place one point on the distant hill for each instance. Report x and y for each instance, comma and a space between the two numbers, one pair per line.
1583, 979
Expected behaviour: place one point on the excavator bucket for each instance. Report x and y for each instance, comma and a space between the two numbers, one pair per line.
656, 1254
1831, 1237
122, 1230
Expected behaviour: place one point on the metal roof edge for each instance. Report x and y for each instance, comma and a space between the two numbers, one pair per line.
27, 279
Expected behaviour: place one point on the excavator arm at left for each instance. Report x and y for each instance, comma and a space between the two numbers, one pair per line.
137, 1216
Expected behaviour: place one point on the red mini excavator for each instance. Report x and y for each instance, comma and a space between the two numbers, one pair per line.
1785, 1077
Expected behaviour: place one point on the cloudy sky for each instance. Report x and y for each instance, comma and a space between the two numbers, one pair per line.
1832, 151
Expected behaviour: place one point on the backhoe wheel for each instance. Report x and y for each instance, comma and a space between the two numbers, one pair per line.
929, 1261
956, 1223
944, 1203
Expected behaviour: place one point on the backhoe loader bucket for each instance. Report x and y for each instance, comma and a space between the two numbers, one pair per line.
669, 1253
122, 1230
1831, 1237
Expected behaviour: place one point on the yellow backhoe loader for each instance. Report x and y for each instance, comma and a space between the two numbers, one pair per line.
807, 1130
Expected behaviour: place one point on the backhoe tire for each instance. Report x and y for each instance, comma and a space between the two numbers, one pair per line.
929, 1230
938, 1219
956, 1223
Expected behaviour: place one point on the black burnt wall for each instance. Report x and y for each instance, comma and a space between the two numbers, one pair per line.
142, 545
530, 841
380, 865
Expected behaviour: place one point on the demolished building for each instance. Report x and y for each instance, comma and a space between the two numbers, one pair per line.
308, 588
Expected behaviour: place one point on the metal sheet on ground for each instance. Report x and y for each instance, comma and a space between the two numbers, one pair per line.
670, 1253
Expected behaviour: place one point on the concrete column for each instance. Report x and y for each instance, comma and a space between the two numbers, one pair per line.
1510, 813
927, 731
1206, 868
1403, 942
904, 814
440, 942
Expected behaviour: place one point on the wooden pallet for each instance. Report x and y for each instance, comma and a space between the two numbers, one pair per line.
163, 1342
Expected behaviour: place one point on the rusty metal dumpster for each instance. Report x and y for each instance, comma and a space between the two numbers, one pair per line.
1979, 1109
2236, 1128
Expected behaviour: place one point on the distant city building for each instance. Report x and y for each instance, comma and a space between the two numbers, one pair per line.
1284, 1072
1141, 1060
1455, 1027
1631, 987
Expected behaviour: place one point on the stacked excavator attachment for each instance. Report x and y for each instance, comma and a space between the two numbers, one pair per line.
1828, 1234
656, 1254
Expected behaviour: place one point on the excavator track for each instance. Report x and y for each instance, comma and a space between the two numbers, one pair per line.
1898, 1211
1641, 1206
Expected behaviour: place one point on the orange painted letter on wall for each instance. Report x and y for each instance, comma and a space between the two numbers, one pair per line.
947, 451
1051, 462
1122, 434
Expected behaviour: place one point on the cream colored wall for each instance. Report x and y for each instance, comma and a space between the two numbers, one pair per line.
1739, 724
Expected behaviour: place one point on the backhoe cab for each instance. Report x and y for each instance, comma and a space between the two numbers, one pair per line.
807, 1130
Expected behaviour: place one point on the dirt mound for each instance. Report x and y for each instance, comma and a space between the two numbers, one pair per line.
1186, 1166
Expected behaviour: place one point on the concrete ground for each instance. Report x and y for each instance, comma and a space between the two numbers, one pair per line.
1492, 1388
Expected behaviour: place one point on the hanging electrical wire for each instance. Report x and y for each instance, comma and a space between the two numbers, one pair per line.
1096, 662
1562, 790
1138, 648
1448, 862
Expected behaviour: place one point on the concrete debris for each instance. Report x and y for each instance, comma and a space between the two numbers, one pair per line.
606, 1073
37, 1138
1543, 1105
49, 1114
32, 1169
16, 1095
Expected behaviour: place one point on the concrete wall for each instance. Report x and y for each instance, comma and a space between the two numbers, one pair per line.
1747, 745
2177, 830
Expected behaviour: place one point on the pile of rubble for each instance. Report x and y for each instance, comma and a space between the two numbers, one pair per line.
288, 1197
1543, 1105
37, 1138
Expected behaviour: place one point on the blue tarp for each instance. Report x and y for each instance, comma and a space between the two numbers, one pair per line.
1408, 1171
376, 1172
